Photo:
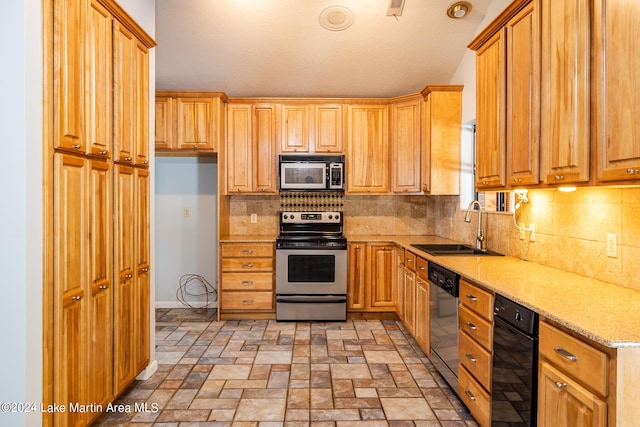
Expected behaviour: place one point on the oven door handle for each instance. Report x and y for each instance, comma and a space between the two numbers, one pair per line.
311, 298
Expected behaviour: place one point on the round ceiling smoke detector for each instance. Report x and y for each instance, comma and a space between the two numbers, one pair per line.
336, 18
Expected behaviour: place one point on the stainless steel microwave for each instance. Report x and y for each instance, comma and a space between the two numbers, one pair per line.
309, 172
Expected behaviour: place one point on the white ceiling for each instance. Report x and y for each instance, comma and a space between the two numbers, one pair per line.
278, 48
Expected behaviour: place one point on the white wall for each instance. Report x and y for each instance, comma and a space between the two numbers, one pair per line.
21, 218
186, 245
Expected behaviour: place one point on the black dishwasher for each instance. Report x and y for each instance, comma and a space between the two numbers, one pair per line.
514, 377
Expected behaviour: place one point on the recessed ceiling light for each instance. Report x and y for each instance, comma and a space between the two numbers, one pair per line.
336, 18
459, 10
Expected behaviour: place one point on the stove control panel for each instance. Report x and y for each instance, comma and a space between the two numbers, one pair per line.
311, 217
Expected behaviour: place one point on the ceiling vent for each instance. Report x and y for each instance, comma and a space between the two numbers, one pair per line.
336, 18
395, 7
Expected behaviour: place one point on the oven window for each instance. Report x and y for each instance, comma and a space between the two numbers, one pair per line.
312, 268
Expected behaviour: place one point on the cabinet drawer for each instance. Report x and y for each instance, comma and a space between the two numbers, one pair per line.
476, 359
478, 300
578, 359
247, 281
247, 300
477, 327
421, 268
247, 264
410, 260
475, 397
247, 250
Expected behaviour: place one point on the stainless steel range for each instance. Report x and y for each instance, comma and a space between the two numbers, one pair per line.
311, 266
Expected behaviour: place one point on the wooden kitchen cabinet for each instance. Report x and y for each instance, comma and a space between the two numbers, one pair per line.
328, 128
475, 347
507, 96
370, 285
405, 146
565, 74
356, 281
189, 122
367, 158
96, 62
398, 281
246, 280
617, 94
440, 153
421, 329
381, 297
409, 287
251, 159
294, 128
573, 382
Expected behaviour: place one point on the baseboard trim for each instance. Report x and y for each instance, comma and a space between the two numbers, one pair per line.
148, 371
176, 304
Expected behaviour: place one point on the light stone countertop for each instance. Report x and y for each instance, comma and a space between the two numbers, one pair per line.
605, 313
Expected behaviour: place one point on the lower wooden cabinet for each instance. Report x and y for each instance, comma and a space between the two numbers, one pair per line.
421, 329
371, 270
475, 397
562, 401
246, 280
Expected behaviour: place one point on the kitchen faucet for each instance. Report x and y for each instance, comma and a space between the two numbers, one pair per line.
467, 218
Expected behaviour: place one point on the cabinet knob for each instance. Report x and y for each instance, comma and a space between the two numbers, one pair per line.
145, 270
128, 276
103, 153
485, 182
561, 384
558, 177
76, 147
102, 287
127, 159
517, 179
76, 298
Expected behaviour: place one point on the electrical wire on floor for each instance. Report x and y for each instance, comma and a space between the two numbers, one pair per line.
194, 286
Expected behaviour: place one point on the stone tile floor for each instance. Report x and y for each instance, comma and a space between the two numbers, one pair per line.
265, 373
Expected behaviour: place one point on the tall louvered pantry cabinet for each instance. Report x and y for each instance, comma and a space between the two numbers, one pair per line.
96, 304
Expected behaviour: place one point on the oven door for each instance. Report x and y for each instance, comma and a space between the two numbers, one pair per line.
311, 271
303, 176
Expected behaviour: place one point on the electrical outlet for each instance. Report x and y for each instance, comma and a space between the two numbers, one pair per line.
522, 231
254, 218
187, 212
612, 245
532, 231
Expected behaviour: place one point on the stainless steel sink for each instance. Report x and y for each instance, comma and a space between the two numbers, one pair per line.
453, 249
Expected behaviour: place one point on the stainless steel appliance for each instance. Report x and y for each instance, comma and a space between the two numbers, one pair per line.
443, 321
311, 172
515, 365
311, 267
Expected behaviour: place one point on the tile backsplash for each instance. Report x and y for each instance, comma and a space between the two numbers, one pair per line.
570, 231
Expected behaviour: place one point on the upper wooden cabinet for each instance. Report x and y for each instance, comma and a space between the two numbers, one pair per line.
328, 128
405, 146
251, 159
294, 126
441, 121
617, 93
565, 103
367, 160
189, 122
523, 98
507, 99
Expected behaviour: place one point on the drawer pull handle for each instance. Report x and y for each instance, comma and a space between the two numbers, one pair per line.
558, 177
103, 153
468, 393
472, 326
247, 301
144, 270
128, 276
472, 298
247, 265
632, 171
517, 179
247, 251
421, 268
247, 282
485, 182
408, 259
564, 353
127, 159
102, 287
561, 384
471, 358
77, 146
